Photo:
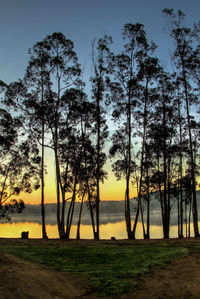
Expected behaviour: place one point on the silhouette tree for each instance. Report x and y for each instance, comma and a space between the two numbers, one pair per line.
148, 74
163, 132
64, 71
35, 80
87, 151
71, 150
125, 92
19, 160
181, 57
101, 68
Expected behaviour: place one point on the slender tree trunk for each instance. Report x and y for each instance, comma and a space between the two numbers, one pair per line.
79, 218
136, 219
98, 170
127, 196
44, 234
62, 224
98, 159
148, 216
148, 205
166, 236
63, 194
142, 159
71, 211
161, 199
189, 219
186, 228
179, 216
168, 194
142, 218
91, 212
194, 205
57, 185
58, 176
180, 172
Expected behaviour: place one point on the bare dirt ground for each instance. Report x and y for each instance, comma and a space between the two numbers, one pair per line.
20, 279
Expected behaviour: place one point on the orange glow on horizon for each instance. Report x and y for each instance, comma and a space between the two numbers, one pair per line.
110, 190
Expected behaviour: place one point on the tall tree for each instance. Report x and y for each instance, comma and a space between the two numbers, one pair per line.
147, 75
101, 68
125, 94
36, 78
164, 150
64, 73
19, 160
183, 50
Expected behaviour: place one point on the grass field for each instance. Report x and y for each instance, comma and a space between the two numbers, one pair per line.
109, 269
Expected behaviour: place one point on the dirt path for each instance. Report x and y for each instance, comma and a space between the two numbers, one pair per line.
179, 279
21, 279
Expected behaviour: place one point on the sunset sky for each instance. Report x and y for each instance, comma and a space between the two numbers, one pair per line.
25, 22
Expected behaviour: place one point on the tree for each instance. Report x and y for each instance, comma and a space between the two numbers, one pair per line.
86, 156
164, 150
19, 161
36, 82
148, 74
64, 73
19, 172
125, 92
181, 57
101, 68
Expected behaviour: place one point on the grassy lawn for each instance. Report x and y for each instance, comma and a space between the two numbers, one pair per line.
110, 269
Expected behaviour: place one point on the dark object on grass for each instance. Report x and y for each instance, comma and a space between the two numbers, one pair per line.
24, 235
113, 238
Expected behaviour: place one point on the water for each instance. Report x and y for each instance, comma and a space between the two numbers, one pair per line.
112, 222
107, 230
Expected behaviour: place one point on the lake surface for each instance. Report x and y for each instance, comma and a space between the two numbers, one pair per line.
112, 222
117, 229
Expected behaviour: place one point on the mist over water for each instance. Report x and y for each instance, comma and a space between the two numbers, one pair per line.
111, 220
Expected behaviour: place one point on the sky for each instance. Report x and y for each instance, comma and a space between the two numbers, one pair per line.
25, 22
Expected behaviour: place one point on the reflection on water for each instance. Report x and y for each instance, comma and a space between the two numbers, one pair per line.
117, 229
111, 219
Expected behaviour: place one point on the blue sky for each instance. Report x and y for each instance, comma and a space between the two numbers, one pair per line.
24, 22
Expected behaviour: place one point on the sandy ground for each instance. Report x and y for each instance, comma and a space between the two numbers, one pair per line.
20, 279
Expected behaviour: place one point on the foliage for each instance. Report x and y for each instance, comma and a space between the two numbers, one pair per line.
14, 206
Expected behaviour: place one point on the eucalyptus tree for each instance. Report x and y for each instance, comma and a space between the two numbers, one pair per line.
19, 160
162, 132
87, 158
77, 156
181, 158
125, 93
63, 73
27, 96
181, 57
101, 69
18, 173
148, 73
35, 81
74, 152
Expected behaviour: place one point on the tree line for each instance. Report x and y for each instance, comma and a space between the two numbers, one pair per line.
154, 144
